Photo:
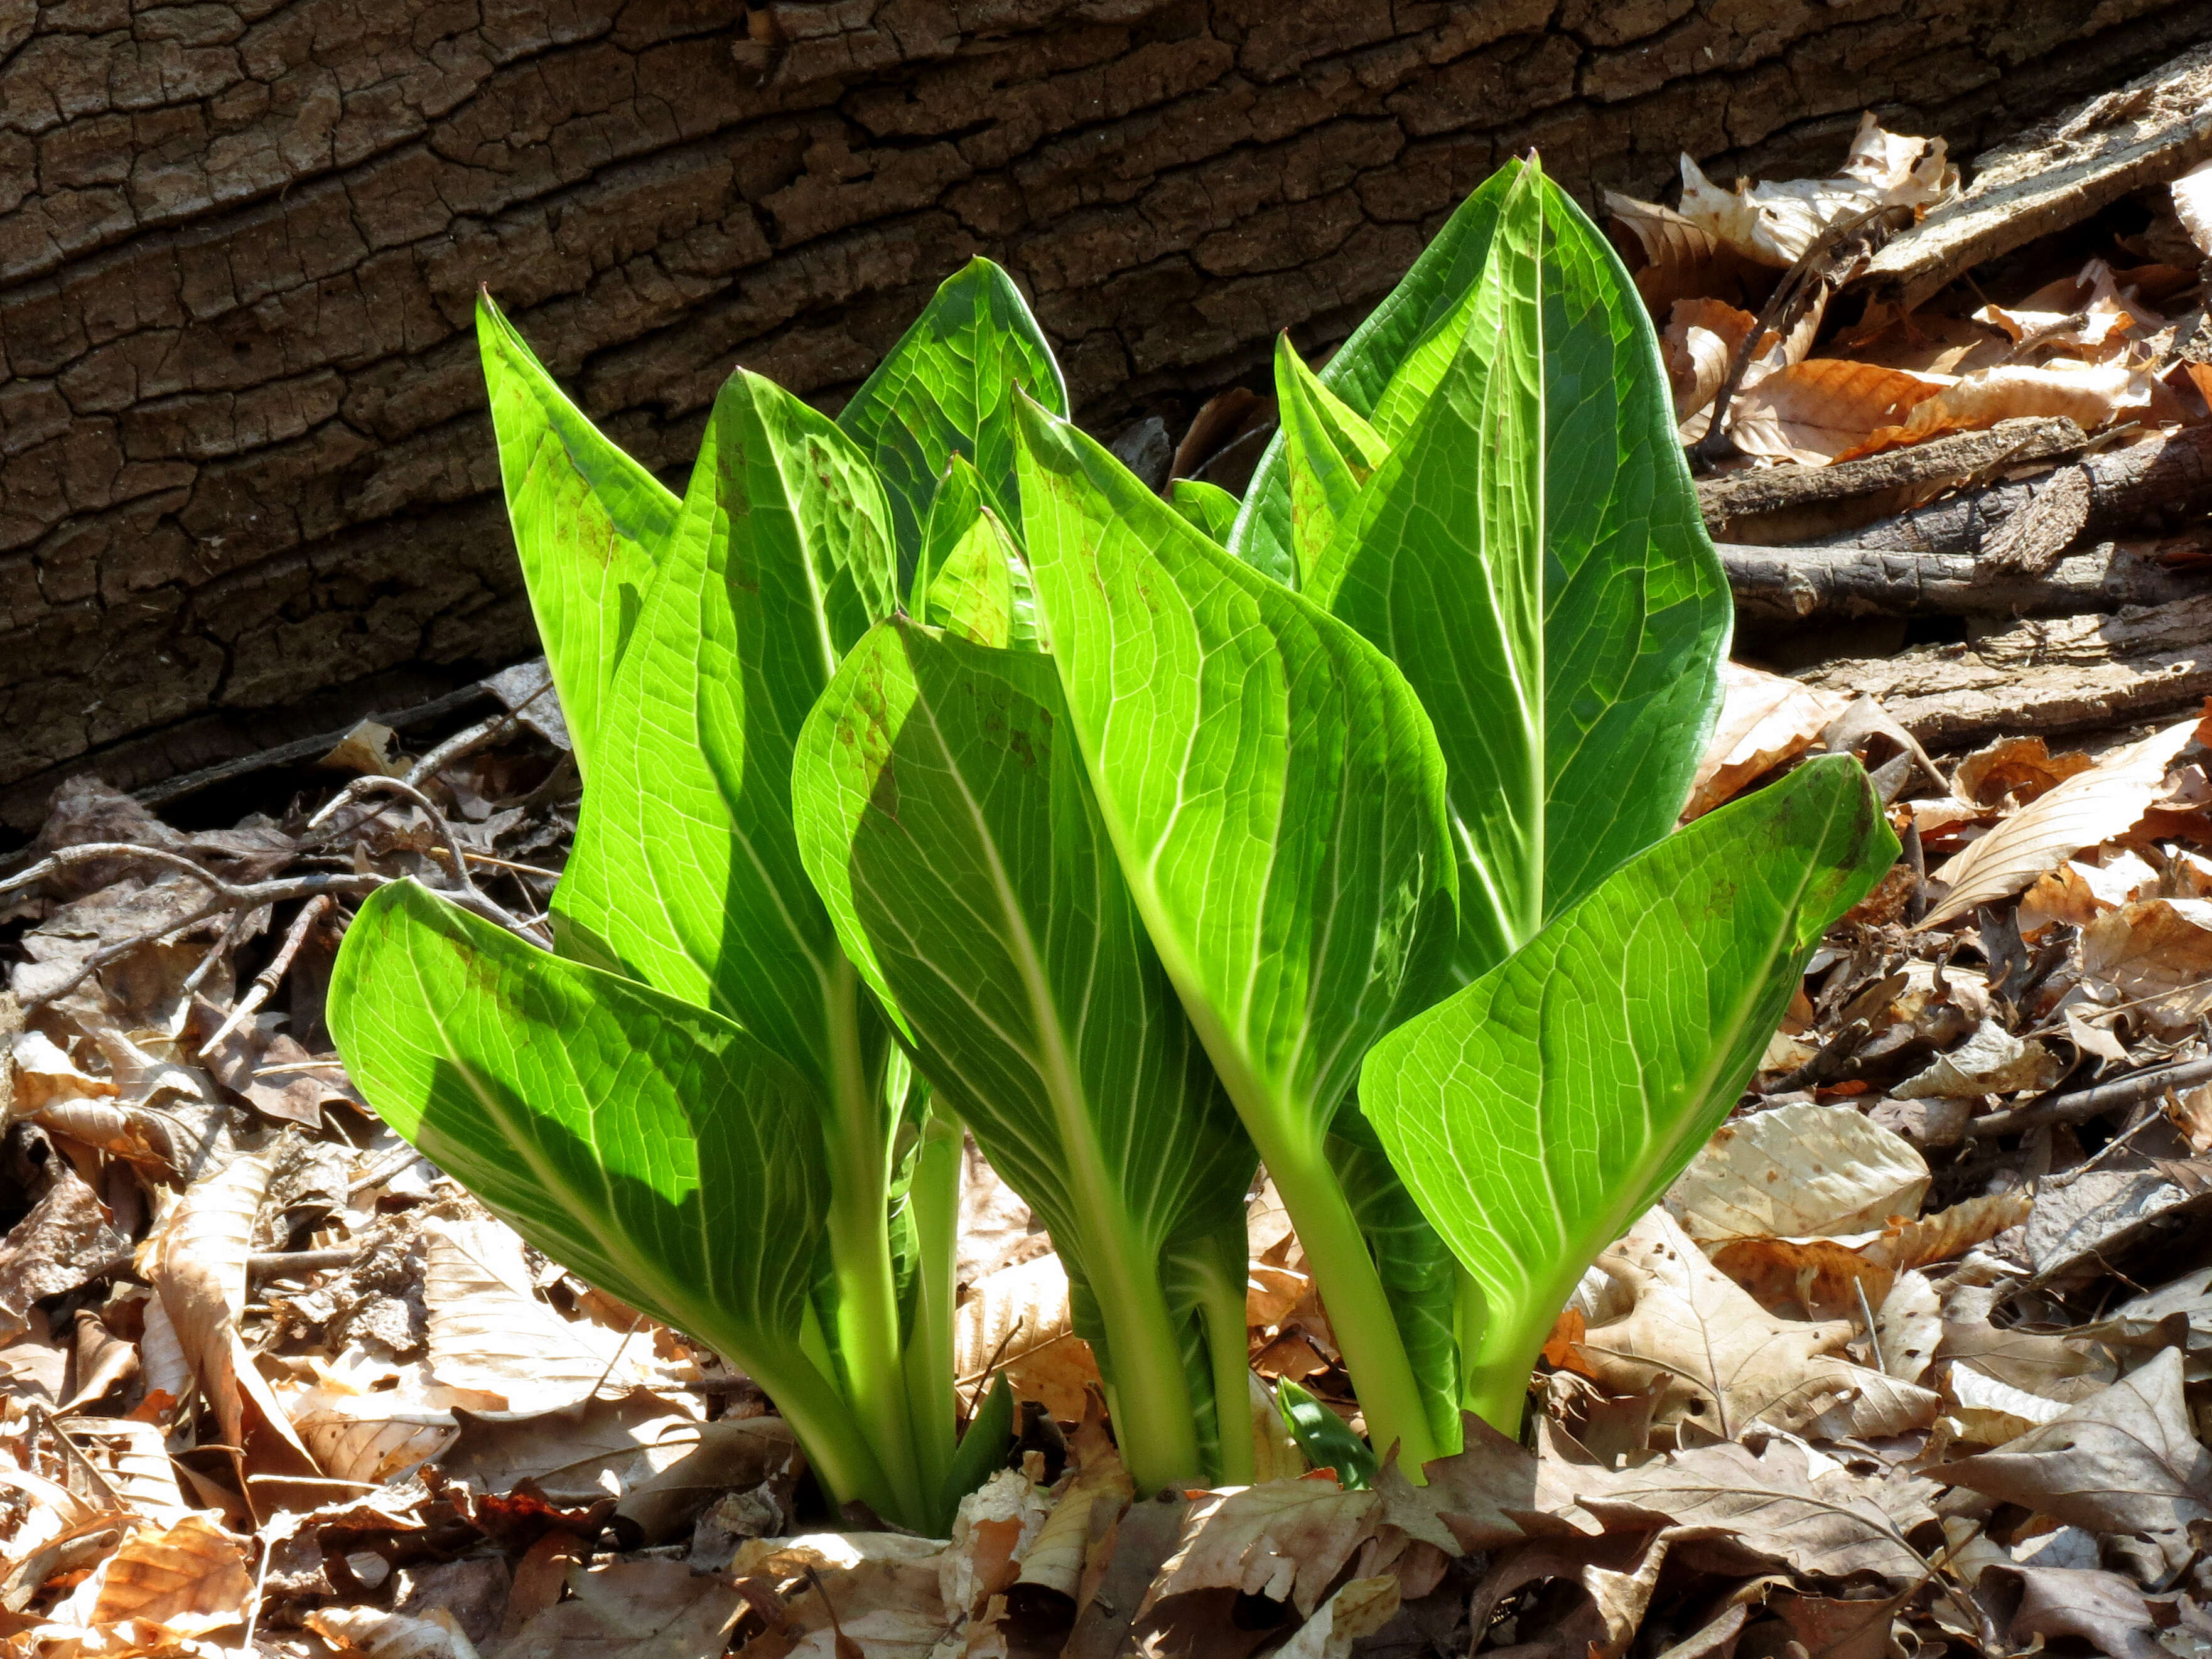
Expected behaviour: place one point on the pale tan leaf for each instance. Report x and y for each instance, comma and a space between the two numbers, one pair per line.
196, 1263
882, 1589
1765, 719
2192, 205
2087, 315
1363, 1607
1275, 1452
2191, 1113
996, 1524
1827, 1526
1287, 1540
1719, 1361
134, 1457
1776, 224
381, 1635
1992, 1060
490, 1334
190, 1577
1804, 1278
1700, 340
2090, 395
1679, 259
371, 1421
636, 1610
2156, 957
1949, 1233
1990, 1413
1796, 1171
2123, 1461
1019, 1318
1908, 1326
2082, 811
1814, 411
1095, 1493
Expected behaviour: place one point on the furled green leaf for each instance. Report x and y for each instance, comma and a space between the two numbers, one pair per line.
1538, 1111
1532, 556
1333, 454
984, 1448
685, 873
1416, 311
1207, 507
1275, 795
589, 523
649, 1144
943, 390
945, 815
962, 530
1326, 1440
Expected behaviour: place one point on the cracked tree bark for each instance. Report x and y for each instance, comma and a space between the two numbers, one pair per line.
246, 488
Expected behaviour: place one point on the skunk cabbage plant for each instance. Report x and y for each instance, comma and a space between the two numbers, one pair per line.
940, 775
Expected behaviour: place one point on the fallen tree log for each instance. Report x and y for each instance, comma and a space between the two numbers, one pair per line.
2041, 678
246, 490
1778, 585
2158, 480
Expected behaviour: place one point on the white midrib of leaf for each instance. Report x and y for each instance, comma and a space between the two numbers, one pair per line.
1610, 1224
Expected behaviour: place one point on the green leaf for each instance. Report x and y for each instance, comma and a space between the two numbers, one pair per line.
650, 1145
1441, 564
1326, 1440
984, 1448
943, 390
957, 517
1275, 794
1532, 556
1537, 1112
1420, 307
685, 873
1333, 454
945, 815
972, 593
589, 522
1207, 507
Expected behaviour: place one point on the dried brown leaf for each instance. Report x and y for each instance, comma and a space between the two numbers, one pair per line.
56, 1248
1949, 1233
1286, 1540
1674, 258
190, 1577
382, 1635
1818, 410
1720, 1362
1795, 1171
2082, 811
2123, 1461
2154, 956
1765, 720
2090, 395
2192, 205
1776, 224
1363, 1607
1019, 1318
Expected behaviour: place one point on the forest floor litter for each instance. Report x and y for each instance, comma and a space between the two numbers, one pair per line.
1917, 1355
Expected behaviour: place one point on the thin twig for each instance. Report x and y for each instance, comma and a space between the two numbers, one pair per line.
465, 891
1874, 1337
265, 982
2085, 1103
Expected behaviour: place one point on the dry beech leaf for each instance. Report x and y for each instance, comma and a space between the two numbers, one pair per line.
1990, 1413
2088, 394
1992, 1060
2084, 810
65, 1238
1814, 411
991, 1534
1701, 341
2156, 957
2192, 205
190, 1576
1816, 1279
1675, 258
1019, 1318
1286, 1540
2087, 315
374, 1422
1720, 1361
134, 1457
1765, 720
2191, 1113
2123, 1461
381, 1635
1096, 1491
637, 1610
2014, 771
1949, 1233
492, 1337
1776, 224
1795, 1170
1908, 1326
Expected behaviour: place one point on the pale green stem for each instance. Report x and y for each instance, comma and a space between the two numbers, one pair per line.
1358, 1307
836, 1447
1498, 1363
934, 1192
867, 1314
1221, 1309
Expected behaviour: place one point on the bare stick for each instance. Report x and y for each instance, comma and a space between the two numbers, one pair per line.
265, 982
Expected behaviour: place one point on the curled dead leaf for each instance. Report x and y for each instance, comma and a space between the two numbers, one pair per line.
1819, 410
1765, 719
